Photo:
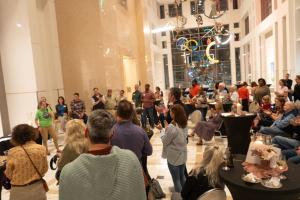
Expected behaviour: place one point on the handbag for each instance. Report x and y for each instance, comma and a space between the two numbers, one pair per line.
156, 190
45, 185
254, 107
5, 182
53, 162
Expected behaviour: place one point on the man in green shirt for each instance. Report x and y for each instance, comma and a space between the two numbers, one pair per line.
137, 96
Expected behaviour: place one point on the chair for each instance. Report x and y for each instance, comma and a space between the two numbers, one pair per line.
5, 144
213, 194
196, 116
219, 130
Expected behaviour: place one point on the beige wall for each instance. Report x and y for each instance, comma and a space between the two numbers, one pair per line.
96, 39
29, 56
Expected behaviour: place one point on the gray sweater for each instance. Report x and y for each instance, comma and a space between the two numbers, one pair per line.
116, 176
174, 141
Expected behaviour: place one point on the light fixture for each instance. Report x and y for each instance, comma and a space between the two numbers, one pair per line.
167, 27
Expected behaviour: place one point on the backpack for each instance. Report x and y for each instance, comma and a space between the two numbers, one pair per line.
156, 189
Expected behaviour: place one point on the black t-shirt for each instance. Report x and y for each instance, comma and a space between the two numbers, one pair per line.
297, 92
289, 83
195, 186
99, 105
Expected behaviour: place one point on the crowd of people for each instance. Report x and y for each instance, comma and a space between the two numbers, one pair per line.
105, 153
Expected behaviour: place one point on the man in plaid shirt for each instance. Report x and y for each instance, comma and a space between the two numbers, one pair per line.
78, 108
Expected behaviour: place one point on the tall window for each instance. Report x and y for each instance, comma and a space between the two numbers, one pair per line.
154, 38
246, 25
235, 4
173, 10
194, 8
189, 65
166, 71
162, 11
236, 37
164, 44
238, 64
123, 3
223, 5
266, 8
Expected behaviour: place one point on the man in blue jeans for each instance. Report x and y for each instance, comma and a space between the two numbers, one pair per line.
290, 147
282, 125
148, 99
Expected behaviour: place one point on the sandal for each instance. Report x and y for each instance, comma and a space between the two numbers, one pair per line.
191, 135
200, 142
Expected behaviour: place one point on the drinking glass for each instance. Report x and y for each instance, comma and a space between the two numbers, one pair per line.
282, 165
268, 139
226, 158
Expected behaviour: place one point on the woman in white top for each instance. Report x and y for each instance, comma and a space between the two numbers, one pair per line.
174, 139
282, 89
233, 95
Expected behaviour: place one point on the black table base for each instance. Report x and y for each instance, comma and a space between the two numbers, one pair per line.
239, 193
238, 132
241, 190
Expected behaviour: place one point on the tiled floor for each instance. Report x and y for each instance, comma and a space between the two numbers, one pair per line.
156, 165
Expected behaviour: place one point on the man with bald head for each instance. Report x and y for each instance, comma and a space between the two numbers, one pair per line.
137, 96
110, 102
282, 125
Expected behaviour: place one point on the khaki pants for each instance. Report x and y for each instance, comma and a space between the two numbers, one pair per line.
44, 132
61, 123
35, 191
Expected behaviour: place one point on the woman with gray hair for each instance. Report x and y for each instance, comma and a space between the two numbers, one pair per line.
105, 171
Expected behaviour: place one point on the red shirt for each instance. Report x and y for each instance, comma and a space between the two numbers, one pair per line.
148, 99
266, 106
243, 93
194, 91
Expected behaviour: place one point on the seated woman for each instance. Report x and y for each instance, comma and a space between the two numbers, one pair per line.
75, 144
206, 176
282, 89
233, 94
26, 165
205, 130
61, 113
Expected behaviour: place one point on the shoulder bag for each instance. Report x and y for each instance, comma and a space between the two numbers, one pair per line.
45, 185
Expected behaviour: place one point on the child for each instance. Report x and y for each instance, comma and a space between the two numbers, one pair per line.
265, 111
266, 103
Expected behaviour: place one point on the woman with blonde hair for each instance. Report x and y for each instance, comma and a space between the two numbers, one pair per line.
75, 143
43, 120
206, 176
